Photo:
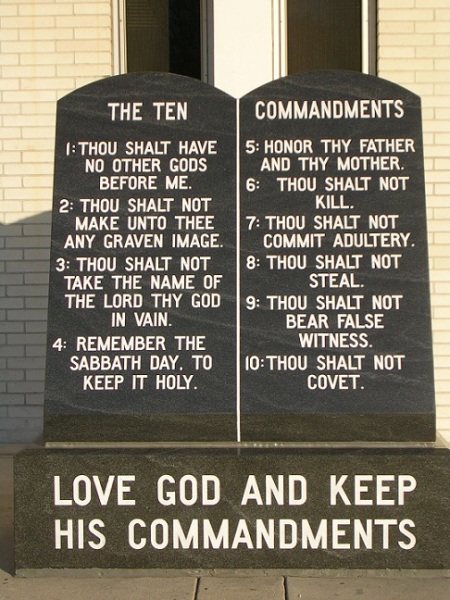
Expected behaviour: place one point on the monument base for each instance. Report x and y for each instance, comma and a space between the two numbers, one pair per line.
232, 508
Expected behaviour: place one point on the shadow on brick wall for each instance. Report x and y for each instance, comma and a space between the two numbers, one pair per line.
24, 271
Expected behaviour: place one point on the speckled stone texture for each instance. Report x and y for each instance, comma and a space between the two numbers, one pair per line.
232, 509
324, 239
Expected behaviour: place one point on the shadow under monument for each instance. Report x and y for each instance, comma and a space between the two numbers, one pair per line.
6, 516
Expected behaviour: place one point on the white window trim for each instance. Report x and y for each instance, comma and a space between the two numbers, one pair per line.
119, 44
279, 38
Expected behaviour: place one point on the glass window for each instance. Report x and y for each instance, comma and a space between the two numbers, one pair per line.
325, 34
163, 35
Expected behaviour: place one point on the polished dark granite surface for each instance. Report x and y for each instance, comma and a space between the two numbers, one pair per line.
305, 198
321, 508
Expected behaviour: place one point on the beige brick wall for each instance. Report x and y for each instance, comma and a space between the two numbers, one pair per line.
414, 51
49, 48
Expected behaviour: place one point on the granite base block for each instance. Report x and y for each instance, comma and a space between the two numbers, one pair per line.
241, 508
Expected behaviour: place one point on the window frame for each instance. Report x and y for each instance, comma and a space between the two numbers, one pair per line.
368, 36
119, 28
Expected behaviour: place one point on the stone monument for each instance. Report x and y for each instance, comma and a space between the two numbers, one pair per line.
239, 364
142, 333
334, 269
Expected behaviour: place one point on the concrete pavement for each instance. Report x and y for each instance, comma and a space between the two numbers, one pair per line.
344, 585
